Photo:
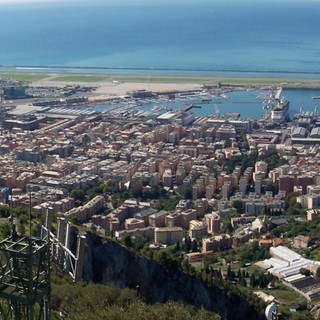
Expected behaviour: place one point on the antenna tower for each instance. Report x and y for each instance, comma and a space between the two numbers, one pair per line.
24, 275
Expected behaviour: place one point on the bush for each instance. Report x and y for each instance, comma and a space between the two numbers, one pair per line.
305, 272
96, 301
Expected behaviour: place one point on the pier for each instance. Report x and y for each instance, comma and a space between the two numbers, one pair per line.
187, 107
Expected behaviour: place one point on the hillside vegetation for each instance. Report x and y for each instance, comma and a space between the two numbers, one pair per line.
97, 301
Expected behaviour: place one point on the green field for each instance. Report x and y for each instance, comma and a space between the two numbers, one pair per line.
164, 78
286, 296
23, 76
80, 78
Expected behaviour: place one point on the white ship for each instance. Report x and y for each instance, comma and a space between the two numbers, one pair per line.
276, 110
279, 112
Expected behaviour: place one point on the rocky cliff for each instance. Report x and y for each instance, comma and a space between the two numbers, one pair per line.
107, 261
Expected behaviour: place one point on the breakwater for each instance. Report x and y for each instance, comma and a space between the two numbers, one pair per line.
158, 69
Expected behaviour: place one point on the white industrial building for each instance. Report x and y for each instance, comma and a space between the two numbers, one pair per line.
285, 262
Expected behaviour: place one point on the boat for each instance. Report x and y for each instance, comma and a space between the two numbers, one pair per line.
279, 112
318, 97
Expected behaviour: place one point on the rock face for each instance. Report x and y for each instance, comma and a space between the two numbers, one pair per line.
108, 262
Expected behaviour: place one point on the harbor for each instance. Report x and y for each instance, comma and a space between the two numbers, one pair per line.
249, 104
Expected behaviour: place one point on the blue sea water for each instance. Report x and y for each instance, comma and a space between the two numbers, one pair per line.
207, 34
230, 34
248, 103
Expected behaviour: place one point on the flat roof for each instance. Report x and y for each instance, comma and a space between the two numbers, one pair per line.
167, 116
23, 110
285, 253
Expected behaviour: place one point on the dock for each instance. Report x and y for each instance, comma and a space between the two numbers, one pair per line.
187, 107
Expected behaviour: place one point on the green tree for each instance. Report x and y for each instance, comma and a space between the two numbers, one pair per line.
127, 241
21, 229
252, 281
239, 205
4, 212
273, 187
305, 271
177, 247
5, 230
185, 192
78, 195
187, 245
291, 199
194, 246
244, 144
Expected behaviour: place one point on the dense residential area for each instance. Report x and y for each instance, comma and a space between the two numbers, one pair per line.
216, 197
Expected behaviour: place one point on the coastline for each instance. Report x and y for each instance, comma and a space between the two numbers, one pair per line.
112, 84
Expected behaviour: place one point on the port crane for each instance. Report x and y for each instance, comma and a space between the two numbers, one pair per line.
266, 106
217, 109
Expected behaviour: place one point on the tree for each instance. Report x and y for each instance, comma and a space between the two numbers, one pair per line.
243, 282
305, 271
187, 244
185, 266
244, 144
194, 247
291, 199
239, 205
21, 229
5, 229
139, 242
229, 272
185, 192
4, 212
252, 281
74, 220
127, 241
177, 247
272, 187
78, 194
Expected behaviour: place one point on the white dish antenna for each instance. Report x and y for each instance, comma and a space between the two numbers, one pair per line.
271, 312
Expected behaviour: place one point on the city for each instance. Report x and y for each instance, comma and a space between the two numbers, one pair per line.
207, 186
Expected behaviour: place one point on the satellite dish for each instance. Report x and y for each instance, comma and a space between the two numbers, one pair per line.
271, 311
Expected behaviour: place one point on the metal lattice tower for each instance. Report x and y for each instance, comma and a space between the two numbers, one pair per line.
24, 275
25, 268
24, 278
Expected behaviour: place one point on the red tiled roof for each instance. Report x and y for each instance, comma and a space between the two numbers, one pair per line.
263, 241
277, 240
306, 239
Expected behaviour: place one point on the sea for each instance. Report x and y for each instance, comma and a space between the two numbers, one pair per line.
280, 35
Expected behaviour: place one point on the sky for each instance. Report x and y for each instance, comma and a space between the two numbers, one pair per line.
44, 1
29, 1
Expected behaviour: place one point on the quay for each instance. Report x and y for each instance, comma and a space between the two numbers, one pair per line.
187, 107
